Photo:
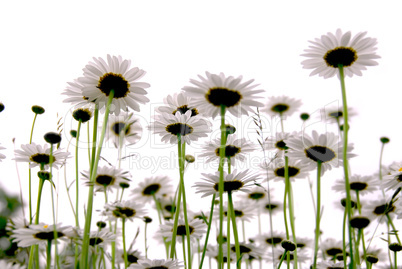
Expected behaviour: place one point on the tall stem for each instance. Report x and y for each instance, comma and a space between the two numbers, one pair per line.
291, 213
345, 161
208, 230
94, 167
318, 215
221, 186
235, 233
123, 223
77, 224
29, 183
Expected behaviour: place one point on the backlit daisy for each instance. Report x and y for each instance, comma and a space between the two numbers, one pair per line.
99, 238
332, 50
36, 234
326, 148
124, 210
74, 94
10, 265
37, 155
133, 256
393, 179
125, 127
296, 170
277, 142
281, 106
178, 102
214, 91
331, 247
256, 194
302, 256
268, 240
330, 265
157, 186
248, 251
362, 184
335, 114
189, 128
242, 211
157, 264
236, 149
101, 77
273, 207
197, 229
236, 181
212, 252
107, 177
378, 209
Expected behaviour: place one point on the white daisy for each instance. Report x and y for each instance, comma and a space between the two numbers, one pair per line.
101, 77
74, 94
248, 251
393, 179
256, 194
197, 229
10, 265
277, 142
273, 207
268, 240
214, 91
2, 156
334, 114
330, 265
107, 177
331, 247
326, 148
374, 255
126, 127
281, 106
362, 184
296, 170
378, 208
242, 211
213, 252
133, 256
304, 242
99, 238
178, 102
332, 50
302, 256
236, 181
156, 264
236, 149
189, 128
157, 186
124, 210
37, 155
40, 233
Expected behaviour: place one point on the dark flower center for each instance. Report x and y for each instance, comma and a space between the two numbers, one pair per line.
222, 96
334, 267
301, 245
271, 206
243, 249
359, 222
95, 241
358, 186
238, 213
41, 158
344, 56
281, 145
184, 109
151, 189
371, 258
399, 178
230, 185
179, 129
383, 209
256, 195
230, 151
333, 251
290, 256
274, 240
280, 108
336, 114
105, 180
157, 267
181, 230
47, 235
116, 82
131, 258
320, 153
170, 208
124, 212
293, 171
118, 127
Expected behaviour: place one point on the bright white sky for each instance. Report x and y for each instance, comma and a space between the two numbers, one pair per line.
45, 44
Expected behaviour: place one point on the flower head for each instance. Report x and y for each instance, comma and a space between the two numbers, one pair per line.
107, 177
177, 103
40, 233
296, 170
125, 128
197, 229
242, 211
101, 78
281, 106
214, 91
156, 264
124, 210
189, 128
362, 184
393, 180
330, 51
151, 187
37, 155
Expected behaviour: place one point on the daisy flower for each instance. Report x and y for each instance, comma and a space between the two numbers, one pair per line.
125, 126
268, 240
40, 233
236, 181
282, 106
393, 180
326, 148
213, 252
331, 247
133, 256
189, 128
302, 256
196, 227
157, 264
304, 242
242, 211
256, 194
362, 184
37, 155
100, 238
107, 177
334, 114
124, 210
178, 102
157, 186
374, 255
235, 149
101, 77
273, 207
330, 265
332, 50
277, 142
296, 170
10, 265
378, 209
214, 91
248, 251
74, 94
2, 156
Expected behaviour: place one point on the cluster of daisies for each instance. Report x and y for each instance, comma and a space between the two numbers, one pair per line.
243, 221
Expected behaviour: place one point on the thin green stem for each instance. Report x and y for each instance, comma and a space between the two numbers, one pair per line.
55, 233
282, 258
77, 224
30, 175
208, 230
123, 224
184, 251
345, 161
380, 170
364, 248
48, 254
221, 186
235, 234
345, 214
318, 215
228, 216
94, 167
288, 188
395, 231
145, 240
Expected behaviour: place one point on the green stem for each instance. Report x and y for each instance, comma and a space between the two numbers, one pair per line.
318, 215
345, 161
395, 231
291, 212
145, 240
55, 233
282, 258
235, 234
228, 216
345, 214
380, 170
94, 167
221, 186
208, 230
364, 249
48, 254
30, 174
184, 251
123, 223
77, 224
